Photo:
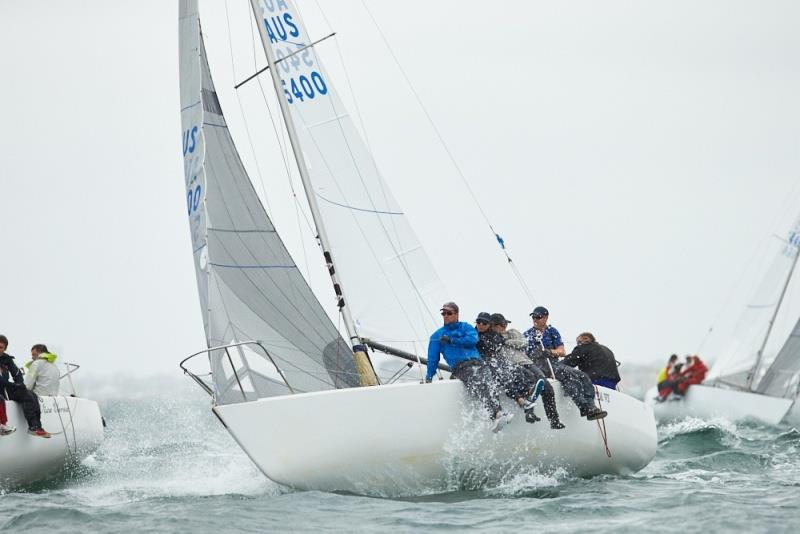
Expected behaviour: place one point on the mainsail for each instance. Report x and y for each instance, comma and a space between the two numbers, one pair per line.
736, 367
390, 285
250, 288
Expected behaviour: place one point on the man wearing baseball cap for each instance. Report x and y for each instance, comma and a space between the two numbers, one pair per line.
457, 341
544, 348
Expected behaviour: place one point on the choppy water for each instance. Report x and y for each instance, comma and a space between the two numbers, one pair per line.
167, 465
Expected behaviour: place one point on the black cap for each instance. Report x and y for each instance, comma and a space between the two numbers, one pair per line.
483, 316
498, 318
539, 310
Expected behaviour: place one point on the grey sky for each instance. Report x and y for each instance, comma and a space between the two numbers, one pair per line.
636, 157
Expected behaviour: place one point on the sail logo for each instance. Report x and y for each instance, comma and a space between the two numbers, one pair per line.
190, 140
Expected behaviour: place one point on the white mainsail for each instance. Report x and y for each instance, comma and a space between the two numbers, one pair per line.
782, 379
250, 288
736, 365
389, 283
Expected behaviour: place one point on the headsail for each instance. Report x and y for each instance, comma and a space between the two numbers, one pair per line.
735, 367
782, 379
250, 288
390, 285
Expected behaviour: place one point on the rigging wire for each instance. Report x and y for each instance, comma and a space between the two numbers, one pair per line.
241, 110
790, 198
460, 173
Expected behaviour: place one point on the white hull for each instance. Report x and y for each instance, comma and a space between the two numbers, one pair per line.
362, 440
706, 402
77, 429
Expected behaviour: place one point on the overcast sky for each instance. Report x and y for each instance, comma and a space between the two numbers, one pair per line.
635, 156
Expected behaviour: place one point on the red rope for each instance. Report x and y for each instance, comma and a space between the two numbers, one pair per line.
601, 424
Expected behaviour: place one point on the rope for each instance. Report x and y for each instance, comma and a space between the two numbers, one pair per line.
601, 423
64, 427
446, 148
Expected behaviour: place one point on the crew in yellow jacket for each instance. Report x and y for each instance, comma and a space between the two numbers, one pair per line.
41, 374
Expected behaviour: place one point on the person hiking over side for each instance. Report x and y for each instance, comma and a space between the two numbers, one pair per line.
663, 375
5, 428
17, 391
456, 341
544, 348
595, 360
41, 375
694, 372
514, 345
518, 384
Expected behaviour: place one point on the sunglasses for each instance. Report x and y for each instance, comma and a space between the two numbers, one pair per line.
481, 322
538, 316
447, 312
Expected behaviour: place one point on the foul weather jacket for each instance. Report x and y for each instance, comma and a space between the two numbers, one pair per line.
595, 360
9, 371
42, 376
461, 346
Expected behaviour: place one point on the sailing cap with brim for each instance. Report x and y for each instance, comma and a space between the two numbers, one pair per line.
539, 310
484, 316
451, 306
498, 318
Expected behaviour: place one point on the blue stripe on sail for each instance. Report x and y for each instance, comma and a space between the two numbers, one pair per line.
191, 105
253, 266
360, 209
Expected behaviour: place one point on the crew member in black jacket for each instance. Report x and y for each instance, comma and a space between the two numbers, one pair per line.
12, 387
595, 360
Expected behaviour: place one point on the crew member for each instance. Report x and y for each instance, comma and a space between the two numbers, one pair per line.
595, 360
457, 341
17, 391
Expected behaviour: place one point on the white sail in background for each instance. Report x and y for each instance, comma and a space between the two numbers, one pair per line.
782, 379
737, 363
389, 283
250, 288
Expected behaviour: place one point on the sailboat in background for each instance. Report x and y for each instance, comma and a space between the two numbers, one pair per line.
751, 380
305, 404
76, 427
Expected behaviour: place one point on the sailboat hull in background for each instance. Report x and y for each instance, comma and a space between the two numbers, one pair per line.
706, 402
363, 440
77, 431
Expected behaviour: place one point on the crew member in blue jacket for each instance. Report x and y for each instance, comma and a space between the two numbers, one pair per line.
456, 341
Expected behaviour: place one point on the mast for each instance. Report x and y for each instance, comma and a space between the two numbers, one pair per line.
754, 371
366, 371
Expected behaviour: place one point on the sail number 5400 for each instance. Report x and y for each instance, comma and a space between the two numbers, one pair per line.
304, 87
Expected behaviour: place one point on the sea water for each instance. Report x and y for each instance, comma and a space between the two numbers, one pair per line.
167, 465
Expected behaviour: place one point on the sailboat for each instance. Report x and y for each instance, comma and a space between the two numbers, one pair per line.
751, 381
304, 403
76, 428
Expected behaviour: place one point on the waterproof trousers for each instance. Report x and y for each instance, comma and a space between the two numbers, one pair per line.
548, 394
480, 383
576, 385
29, 402
3, 416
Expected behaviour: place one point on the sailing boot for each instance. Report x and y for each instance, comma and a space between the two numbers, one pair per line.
531, 417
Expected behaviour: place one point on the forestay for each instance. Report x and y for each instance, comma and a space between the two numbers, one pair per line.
737, 363
250, 289
389, 283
